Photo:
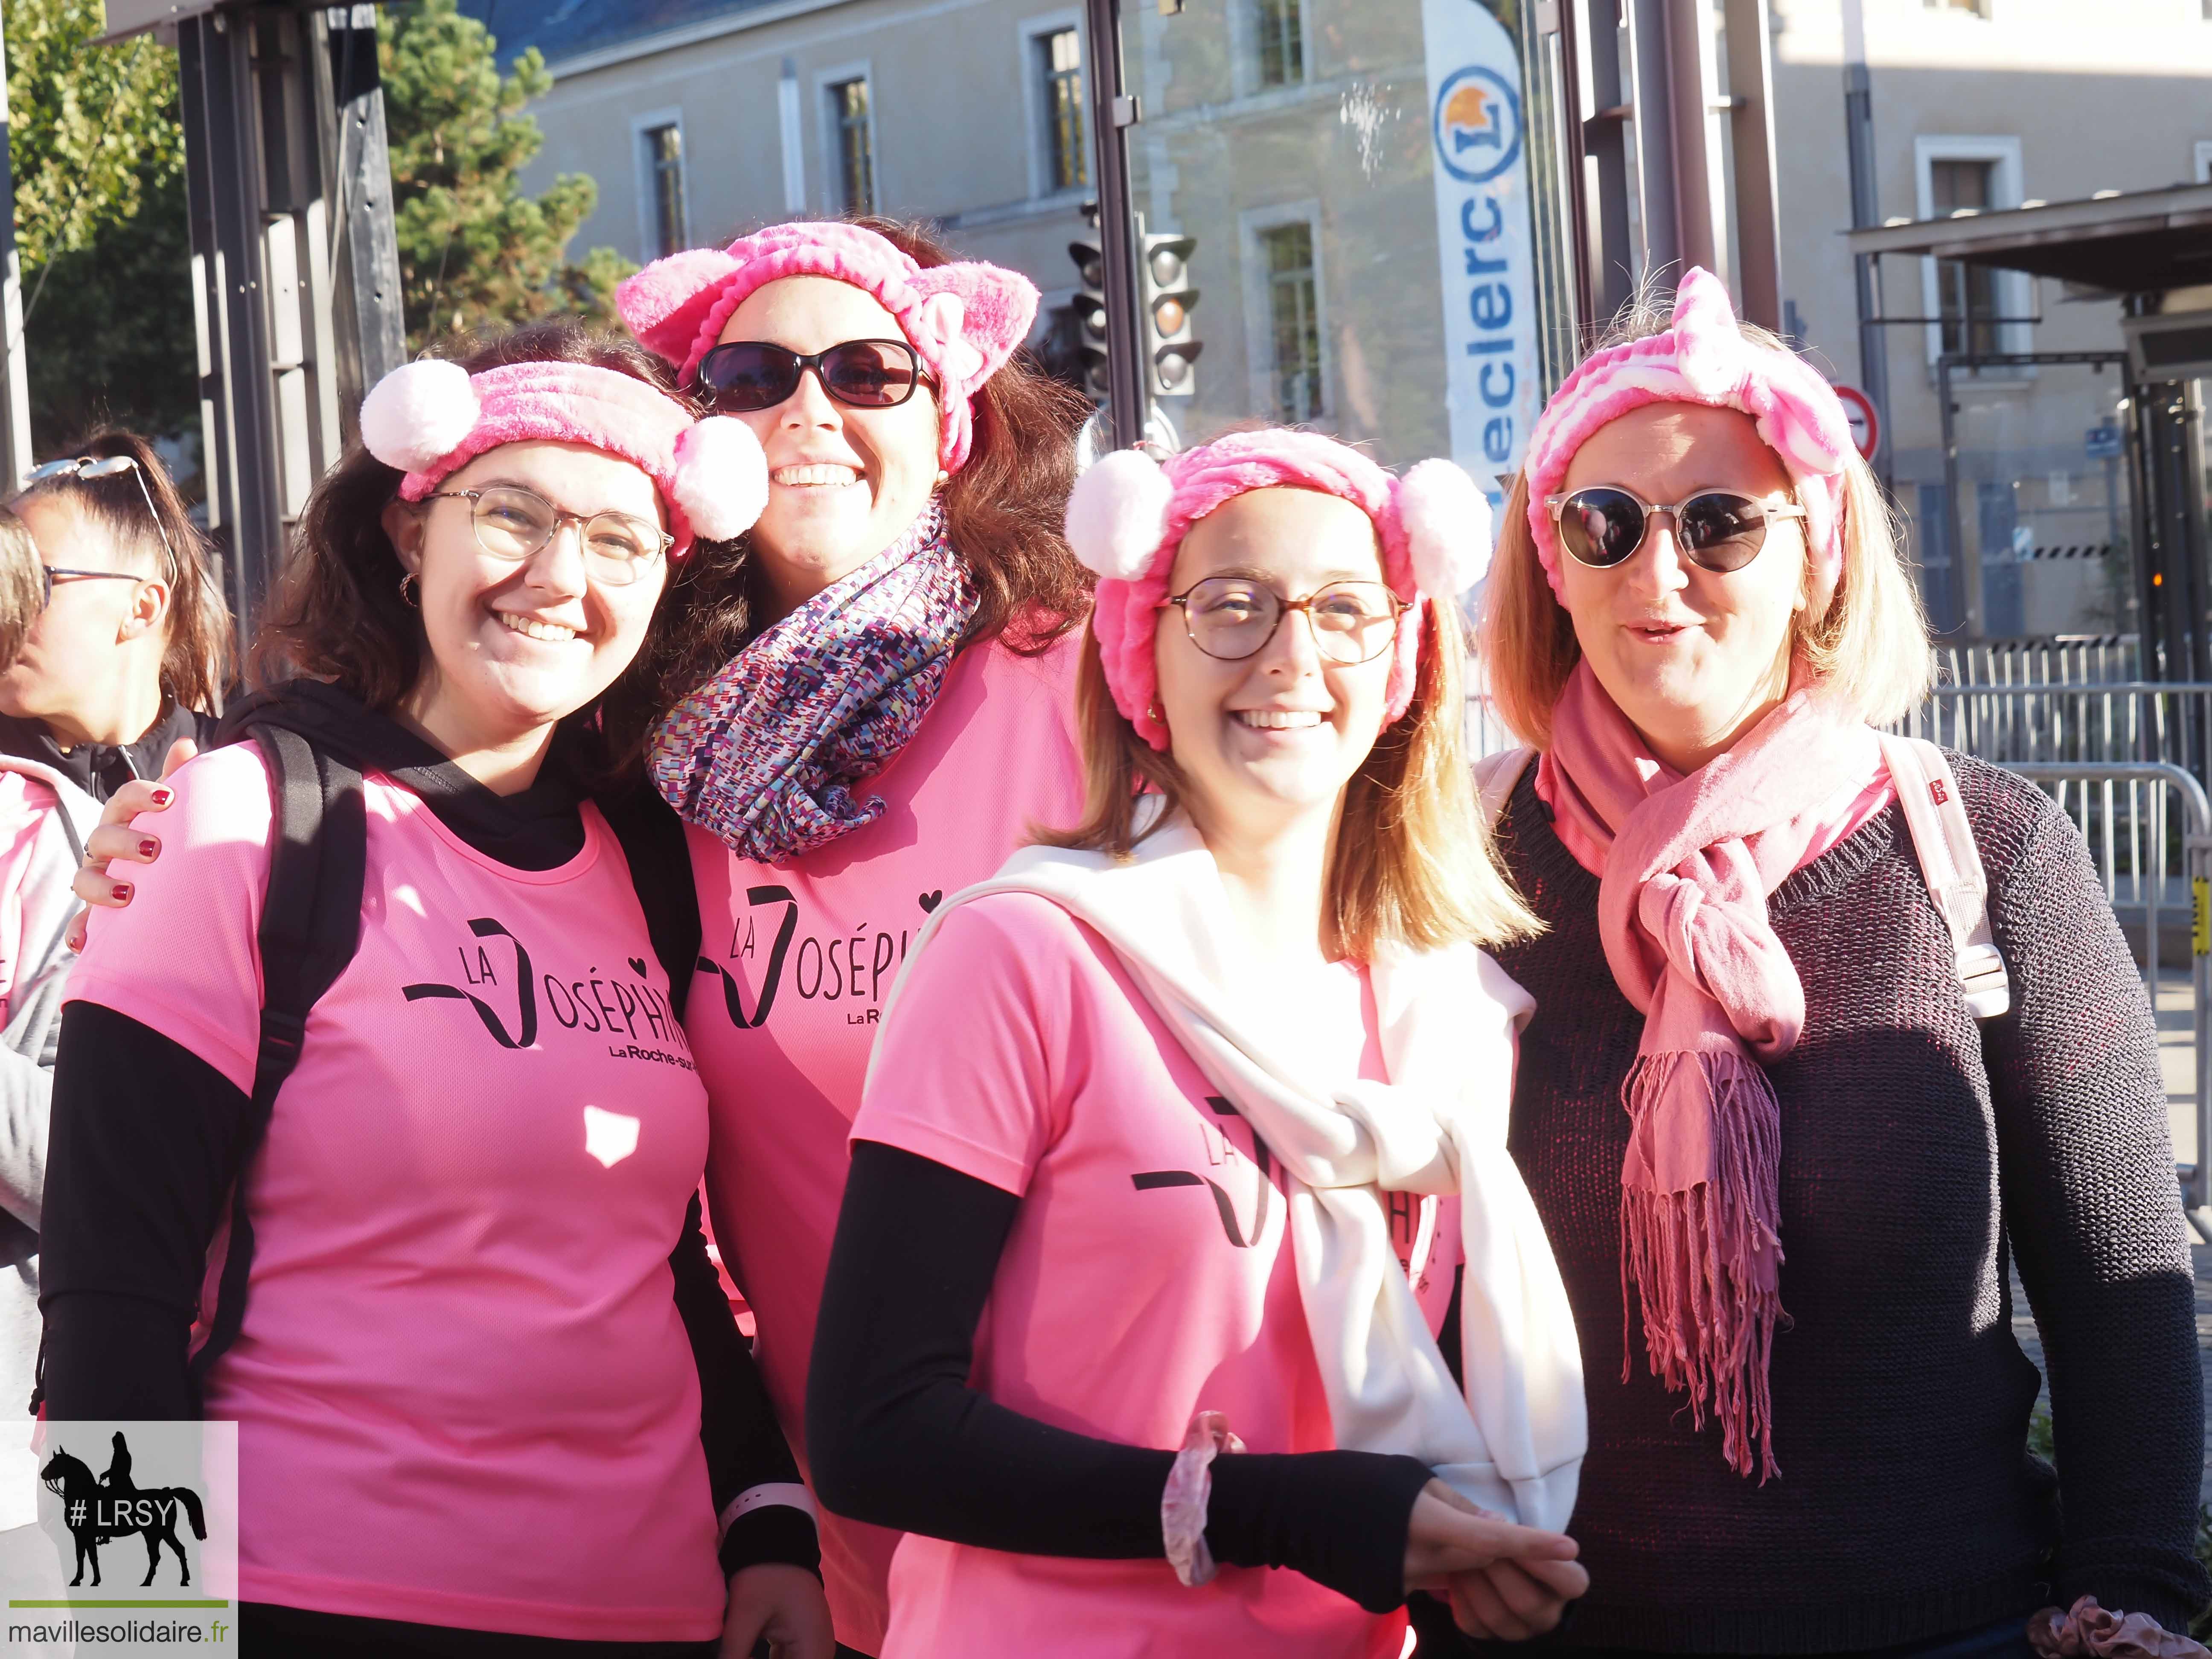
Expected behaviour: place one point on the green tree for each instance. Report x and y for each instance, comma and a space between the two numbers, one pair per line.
98, 155
474, 249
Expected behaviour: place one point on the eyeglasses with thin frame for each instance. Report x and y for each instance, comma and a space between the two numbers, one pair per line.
748, 375
511, 523
1233, 617
48, 572
1717, 529
91, 468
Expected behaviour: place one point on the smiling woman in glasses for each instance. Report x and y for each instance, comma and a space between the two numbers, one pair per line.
129, 650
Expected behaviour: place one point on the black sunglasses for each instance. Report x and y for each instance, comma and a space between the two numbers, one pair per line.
1718, 530
752, 374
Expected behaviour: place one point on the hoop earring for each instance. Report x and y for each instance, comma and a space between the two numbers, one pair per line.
412, 601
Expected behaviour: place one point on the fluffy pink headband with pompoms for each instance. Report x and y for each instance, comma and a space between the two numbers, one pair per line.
430, 418
1128, 514
1704, 359
965, 319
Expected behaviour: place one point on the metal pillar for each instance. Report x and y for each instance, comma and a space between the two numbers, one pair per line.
16, 453
371, 331
295, 272
1113, 111
1751, 142
1866, 211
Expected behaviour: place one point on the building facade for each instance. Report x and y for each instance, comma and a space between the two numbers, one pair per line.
1369, 190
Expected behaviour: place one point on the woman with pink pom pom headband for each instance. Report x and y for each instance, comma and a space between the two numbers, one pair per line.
464, 603
1796, 1002
1281, 939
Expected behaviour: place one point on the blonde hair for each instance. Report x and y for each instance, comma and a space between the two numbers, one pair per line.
1869, 651
1411, 864
21, 587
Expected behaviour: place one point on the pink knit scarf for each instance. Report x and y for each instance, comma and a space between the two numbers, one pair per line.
1682, 914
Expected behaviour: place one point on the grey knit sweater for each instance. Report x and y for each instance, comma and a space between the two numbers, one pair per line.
1915, 1151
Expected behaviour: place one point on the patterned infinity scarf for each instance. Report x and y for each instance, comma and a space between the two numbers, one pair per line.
765, 754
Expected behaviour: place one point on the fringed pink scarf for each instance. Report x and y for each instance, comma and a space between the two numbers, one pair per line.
1688, 864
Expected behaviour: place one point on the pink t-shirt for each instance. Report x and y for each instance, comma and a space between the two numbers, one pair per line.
1148, 1276
804, 954
465, 1395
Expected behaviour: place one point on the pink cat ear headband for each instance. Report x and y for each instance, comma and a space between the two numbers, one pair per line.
964, 320
1704, 359
430, 418
1128, 514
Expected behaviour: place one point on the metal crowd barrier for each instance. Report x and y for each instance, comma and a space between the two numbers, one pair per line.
2122, 811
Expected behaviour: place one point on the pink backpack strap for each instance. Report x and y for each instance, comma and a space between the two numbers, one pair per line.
1951, 865
1495, 776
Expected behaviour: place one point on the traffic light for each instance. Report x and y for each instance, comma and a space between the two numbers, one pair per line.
1090, 305
1169, 299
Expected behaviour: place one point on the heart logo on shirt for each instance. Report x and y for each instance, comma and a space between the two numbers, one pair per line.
637, 966
930, 901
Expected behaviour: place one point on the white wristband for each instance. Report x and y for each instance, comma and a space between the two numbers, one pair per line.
789, 1493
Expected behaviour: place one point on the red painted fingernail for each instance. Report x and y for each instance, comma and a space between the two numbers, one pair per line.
150, 849
162, 797
122, 892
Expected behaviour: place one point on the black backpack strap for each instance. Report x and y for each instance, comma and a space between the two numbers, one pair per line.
652, 842
310, 930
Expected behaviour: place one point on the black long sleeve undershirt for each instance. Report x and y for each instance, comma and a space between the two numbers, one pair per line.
143, 1145
896, 1436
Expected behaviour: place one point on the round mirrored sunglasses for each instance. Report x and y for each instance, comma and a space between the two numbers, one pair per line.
1717, 529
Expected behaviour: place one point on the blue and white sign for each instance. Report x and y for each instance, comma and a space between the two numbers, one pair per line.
1485, 237
2103, 442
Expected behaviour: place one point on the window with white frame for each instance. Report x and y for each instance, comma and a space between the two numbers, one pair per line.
1293, 319
1967, 304
851, 122
1058, 57
663, 171
1279, 41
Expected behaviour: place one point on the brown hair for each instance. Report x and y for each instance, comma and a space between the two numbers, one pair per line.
337, 614
1868, 650
1411, 864
195, 660
1003, 511
22, 589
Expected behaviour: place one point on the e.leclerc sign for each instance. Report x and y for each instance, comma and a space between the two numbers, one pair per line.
1480, 155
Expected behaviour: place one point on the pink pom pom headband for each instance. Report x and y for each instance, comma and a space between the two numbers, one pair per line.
1128, 514
431, 417
965, 319
1704, 359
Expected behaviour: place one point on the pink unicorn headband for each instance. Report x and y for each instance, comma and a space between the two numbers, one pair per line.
1128, 514
430, 418
964, 320
1704, 359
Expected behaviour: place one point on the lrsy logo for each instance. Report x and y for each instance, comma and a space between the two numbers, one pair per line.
99, 1510
1478, 125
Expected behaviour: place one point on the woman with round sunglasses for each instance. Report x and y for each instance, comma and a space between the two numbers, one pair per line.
1117, 1326
447, 1275
1788, 1255
131, 652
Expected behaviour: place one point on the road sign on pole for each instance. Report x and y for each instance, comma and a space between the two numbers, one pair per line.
1866, 425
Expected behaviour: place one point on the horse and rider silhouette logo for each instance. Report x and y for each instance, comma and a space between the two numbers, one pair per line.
99, 1510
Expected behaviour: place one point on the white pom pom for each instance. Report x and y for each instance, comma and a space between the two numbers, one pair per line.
1447, 520
418, 414
1117, 514
721, 479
